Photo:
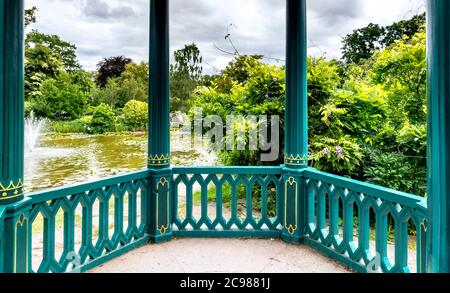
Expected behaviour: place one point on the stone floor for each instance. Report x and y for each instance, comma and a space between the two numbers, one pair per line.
222, 256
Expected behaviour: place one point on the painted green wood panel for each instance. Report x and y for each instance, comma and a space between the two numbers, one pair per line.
296, 128
11, 100
14, 242
159, 103
98, 243
159, 221
438, 134
331, 228
240, 187
296, 124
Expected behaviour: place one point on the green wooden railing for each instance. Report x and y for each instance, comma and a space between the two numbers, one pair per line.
354, 222
94, 221
79, 227
245, 213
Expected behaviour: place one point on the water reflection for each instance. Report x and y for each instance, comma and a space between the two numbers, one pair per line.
60, 160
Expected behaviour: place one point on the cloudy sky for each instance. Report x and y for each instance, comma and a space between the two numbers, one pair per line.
103, 28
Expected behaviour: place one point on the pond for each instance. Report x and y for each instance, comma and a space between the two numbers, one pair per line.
65, 159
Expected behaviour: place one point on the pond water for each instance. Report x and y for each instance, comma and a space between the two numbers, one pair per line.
65, 159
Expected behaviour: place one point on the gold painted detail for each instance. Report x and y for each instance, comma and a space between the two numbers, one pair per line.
163, 229
291, 228
12, 190
22, 221
296, 160
158, 160
291, 181
423, 230
163, 182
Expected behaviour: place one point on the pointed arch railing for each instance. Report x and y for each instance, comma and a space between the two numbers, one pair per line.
79, 227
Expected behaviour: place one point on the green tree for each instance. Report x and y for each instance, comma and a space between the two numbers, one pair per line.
84, 80
377, 118
30, 16
135, 115
237, 71
132, 84
111, 67
185, 76
323, 82
362, 43
65, 51
261, 94
45, 57
402, 70
41, 63
103, 119
138, 72
398, 30
60, 97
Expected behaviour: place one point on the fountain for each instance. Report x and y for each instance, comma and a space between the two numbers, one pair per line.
54, 159
33, 130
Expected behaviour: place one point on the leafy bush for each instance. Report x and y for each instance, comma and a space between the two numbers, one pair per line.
394, 170
131, 85
343, 155
28, 108
261, 94
59, 98
76, 126
81, 125
135, 115
103, 119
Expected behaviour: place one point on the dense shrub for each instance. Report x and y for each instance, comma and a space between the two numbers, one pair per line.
135, 115
103, 119
59, 98
342, 156
394, 170
131, 85
75, 126
261, 94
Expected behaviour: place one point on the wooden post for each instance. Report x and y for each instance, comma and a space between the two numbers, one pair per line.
296, 131
11, 101
159, 218
439, 135
14, 236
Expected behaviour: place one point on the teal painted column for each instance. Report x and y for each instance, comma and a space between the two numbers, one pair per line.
439, 135
160, 220
296, 128
11, 101
14, 246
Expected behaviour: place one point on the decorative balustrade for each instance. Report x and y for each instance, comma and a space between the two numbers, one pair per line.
79, 227
352, 222
82, 226
227, 201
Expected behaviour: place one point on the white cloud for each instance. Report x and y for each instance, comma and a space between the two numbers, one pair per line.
103, 28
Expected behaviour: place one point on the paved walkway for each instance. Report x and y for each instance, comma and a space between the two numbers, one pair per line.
222, 256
